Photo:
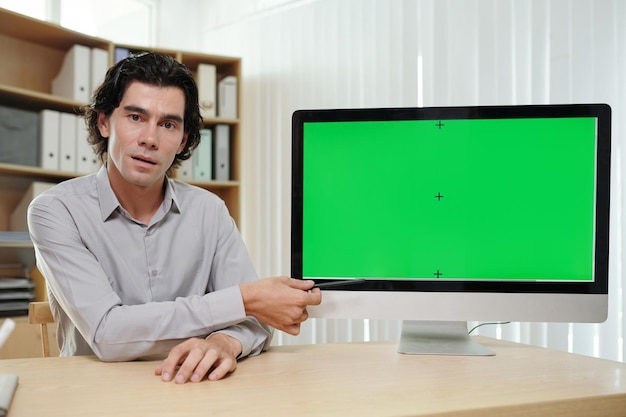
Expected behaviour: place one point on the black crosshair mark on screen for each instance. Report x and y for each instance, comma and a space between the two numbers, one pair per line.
438, 273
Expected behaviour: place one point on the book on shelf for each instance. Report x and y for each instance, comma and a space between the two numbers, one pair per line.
99, 66
203, 157
49, 122
63, 143
82, 71
73, 79
67, 142
86, 159
185, 170
120, 53
206, 80
227, 97
222, 152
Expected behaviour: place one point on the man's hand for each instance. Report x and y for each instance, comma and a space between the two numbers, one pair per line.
216, 356
280, 301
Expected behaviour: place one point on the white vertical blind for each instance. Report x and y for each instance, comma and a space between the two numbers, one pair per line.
383, 53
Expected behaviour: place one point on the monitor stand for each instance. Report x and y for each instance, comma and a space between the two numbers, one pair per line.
439, 338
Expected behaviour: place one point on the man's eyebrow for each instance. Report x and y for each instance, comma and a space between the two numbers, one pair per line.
137, 109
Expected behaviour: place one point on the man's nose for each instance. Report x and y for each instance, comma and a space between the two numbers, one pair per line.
150, 138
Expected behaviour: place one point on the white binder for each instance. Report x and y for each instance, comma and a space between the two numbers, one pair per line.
49, 129
206, 80
222, 152
86, 159
227, 95
67, 142
203, 157
99, 67
73, 80
185, 170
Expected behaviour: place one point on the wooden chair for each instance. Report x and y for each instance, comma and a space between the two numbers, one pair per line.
39, 313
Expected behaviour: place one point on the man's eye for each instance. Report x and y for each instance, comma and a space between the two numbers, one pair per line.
169, 125
134, 117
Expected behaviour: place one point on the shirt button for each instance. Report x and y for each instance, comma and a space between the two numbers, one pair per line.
154, 272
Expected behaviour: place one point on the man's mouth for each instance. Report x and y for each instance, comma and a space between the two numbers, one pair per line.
145, 160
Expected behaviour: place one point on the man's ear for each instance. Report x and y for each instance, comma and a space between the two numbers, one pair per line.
183, 142
103, 125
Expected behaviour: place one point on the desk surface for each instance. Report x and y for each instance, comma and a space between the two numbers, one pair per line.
360, 379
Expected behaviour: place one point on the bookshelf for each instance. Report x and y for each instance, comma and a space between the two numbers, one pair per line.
34, 51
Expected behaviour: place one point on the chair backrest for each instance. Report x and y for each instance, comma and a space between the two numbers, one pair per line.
39, 313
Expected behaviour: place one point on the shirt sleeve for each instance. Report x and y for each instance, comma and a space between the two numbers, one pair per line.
114, 331
254, 337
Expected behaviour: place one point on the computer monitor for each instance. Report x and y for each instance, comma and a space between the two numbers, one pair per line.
445, 215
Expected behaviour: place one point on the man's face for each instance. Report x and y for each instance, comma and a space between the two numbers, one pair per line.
145, 133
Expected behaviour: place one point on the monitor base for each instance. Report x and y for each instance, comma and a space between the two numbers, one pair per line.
439, 338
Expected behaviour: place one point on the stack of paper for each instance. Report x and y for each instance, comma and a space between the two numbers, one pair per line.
15, 295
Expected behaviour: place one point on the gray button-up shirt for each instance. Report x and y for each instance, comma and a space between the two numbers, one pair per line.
123, 290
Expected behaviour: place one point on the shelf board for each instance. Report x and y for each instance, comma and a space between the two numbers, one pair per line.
192, 59
35, 172
29, 99
29, 29
40, 173
56, 176
219, 120
212, 184
16, 245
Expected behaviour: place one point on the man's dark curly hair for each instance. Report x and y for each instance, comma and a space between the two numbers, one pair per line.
152, 68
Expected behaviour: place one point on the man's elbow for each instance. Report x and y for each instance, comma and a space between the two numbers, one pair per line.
112, 354
130, 351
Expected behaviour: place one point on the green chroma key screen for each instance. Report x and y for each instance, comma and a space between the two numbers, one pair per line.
474, 199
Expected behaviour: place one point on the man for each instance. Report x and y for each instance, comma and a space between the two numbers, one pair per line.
138, 264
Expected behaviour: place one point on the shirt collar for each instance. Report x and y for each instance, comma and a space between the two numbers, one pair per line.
109, 202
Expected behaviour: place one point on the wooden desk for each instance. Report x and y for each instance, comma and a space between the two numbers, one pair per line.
361, 379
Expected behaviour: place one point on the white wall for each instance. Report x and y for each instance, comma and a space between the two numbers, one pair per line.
369, 53
179, 24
